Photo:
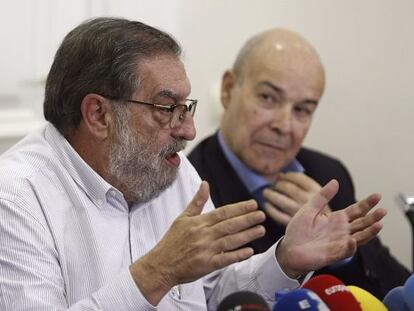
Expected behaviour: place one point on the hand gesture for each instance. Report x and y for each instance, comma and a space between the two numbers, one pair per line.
197, 244
315, 239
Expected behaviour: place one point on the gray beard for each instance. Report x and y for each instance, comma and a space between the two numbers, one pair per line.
139, 172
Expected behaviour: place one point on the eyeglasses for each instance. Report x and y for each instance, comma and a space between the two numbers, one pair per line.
173, 114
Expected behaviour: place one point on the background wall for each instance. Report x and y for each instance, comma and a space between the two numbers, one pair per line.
364, 117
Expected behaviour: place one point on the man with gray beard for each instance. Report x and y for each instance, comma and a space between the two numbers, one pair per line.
101, 211
132, 161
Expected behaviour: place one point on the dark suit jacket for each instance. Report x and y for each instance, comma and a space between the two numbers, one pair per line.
372, 268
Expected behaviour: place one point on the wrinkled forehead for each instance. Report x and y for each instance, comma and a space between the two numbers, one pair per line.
163, 74
283, 59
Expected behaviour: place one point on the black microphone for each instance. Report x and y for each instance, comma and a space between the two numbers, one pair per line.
243, 301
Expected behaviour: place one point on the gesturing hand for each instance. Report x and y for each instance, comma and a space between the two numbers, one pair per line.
364, 225
315, 239
197, 244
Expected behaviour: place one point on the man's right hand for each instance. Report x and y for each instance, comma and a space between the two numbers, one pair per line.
197, 244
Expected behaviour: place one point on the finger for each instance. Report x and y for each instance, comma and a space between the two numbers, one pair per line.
230, 211
277, 215
234, 241
320, 200
281, 201
362, 207
293, 191
224, 259
363, 222
364, 236
237, 224
199, 200
301, 180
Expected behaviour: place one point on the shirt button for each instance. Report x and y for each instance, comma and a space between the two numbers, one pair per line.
113, 193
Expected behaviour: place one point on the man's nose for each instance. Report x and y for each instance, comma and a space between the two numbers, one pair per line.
282, 119
186, 130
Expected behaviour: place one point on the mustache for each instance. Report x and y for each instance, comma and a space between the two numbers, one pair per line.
176, 146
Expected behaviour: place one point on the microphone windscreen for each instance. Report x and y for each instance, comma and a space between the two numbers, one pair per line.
299, 300
333, 293
367, 301
409, 292
243, 301
394, 300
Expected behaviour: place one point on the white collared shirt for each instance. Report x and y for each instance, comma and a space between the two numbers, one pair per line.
67, 237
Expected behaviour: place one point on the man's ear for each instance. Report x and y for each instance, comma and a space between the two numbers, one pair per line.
97, 115
227, 83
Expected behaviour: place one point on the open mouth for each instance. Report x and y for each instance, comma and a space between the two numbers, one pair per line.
173, 159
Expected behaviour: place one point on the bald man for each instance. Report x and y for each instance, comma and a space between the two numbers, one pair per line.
269, 99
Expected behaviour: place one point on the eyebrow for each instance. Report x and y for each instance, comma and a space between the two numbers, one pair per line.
169, 94
280, 90
272, 86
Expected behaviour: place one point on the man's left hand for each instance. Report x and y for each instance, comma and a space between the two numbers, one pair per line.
315, 239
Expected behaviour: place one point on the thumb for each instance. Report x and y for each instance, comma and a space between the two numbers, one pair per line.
199, 200
321, 199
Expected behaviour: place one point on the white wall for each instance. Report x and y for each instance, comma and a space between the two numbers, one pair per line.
364, 116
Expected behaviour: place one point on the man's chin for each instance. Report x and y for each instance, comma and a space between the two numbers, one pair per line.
155, 187
265, 169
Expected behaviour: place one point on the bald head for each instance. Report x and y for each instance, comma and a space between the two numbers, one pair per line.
281, 45
269, 98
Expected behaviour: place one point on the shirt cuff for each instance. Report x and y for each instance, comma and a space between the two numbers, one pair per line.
122, 294
272, 277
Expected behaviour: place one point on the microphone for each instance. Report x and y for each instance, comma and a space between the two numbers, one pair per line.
243, 301
299, 300
367, 301
333, 293
409, 292
394, 299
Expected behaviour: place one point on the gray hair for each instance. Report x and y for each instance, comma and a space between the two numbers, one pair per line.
99, 56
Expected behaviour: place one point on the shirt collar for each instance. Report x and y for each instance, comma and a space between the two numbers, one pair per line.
294, 166
90, 181
251, 179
